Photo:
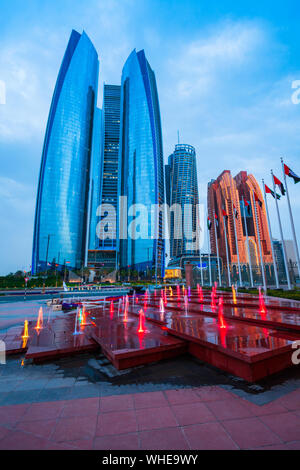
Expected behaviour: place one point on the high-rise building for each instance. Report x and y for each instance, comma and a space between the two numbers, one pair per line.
183, 191
62, 206
231, 198
141, 169
103, 255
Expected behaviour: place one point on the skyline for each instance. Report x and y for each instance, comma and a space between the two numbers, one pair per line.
229, 74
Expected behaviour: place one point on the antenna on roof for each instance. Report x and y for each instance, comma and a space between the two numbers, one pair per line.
178, 137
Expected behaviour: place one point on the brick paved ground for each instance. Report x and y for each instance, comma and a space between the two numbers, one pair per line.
189, 418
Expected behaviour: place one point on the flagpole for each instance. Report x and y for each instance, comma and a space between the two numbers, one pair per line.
209, 254
227, 254
282, 239
201, 271
217, 245
248, 247
237, 245
271, 236
259, 244
292, 218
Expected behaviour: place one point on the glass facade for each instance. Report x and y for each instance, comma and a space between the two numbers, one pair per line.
183, 190
141, 167
63, 192
109, 189
95, 178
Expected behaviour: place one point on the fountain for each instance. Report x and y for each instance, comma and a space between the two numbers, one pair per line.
262, 306
39, 325
162, 310
213, 299
186, 305
145, 304
201, 294
141, 329
189, 291
234, 295
126, 309
83, 321
171, 291
111, 310
133, 298
76, 331
178, 291
119, 306
25, 333
221, 314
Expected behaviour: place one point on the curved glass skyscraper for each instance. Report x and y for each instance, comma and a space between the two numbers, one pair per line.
141, 169
60, 228
183, 190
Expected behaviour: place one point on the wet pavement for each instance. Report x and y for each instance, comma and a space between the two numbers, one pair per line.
92, 375
83, 404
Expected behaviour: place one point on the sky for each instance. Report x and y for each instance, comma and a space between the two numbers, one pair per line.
224, 69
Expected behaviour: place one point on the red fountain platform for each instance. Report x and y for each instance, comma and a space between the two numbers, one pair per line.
125, 347
249, 342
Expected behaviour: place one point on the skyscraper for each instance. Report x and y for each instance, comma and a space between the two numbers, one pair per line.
141, 169
103, 255
230, 198
61, 216
183, 190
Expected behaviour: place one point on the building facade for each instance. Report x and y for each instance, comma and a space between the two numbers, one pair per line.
229, 199
141, 171
103, 255
61, 218
182, 189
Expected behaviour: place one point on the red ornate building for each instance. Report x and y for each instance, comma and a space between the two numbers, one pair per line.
233, 196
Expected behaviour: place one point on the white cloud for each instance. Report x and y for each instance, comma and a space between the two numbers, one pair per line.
198, 65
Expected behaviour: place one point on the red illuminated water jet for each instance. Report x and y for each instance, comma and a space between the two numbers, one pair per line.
141, 329
39, 324
221, 315
111, 310
200, 294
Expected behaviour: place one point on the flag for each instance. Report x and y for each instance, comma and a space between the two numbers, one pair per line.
236, 214
247, 204
225, 214
291, 174
209, 223
269, 191
257, 199
217, 220
279, 184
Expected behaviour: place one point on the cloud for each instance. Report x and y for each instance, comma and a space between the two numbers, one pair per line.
17, 203
28, 70
198, 65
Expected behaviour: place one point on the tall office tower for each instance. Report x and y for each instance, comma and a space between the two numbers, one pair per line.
141, 170
61, 218
103, 255
230, 198
183, 192
168, 170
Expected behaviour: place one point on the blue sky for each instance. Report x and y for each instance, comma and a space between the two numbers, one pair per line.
224, 71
